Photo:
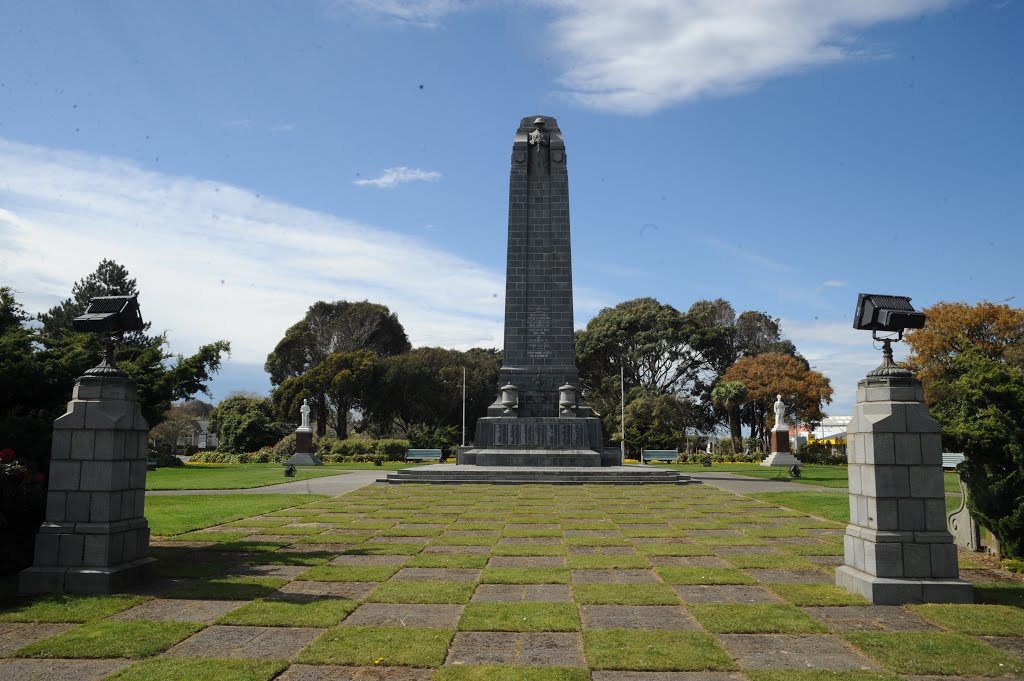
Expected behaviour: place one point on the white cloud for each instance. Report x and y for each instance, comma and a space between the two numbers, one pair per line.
421, 12
643, 55
217, 261
640, 56
839, 351
392, 177
833, 283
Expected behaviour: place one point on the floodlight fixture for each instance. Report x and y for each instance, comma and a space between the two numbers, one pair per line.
111, 316
887, 314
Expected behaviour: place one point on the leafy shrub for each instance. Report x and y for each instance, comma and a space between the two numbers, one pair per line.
391, 449
285, 448
165, 459
820, 453
22, 509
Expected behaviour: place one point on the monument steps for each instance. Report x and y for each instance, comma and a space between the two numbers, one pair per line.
445, 474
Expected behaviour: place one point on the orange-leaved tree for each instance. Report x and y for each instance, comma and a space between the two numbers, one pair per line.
994, 330
803, 390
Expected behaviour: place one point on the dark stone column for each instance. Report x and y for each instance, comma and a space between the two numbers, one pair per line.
540, 352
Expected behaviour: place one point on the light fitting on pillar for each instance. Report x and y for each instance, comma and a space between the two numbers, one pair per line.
886, 314
112, 316
567, 399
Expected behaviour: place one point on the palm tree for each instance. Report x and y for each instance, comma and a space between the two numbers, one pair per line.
730, 396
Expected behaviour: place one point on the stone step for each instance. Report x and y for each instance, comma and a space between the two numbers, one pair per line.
538, 476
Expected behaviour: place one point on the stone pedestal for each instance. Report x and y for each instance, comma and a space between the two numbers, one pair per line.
780, 456
95, 537
897, 547
303, 455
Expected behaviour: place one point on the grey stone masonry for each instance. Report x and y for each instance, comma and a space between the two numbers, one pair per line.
897, 547
95, 537
540, 354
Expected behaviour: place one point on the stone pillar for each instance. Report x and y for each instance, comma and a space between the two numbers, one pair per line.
897, 547
95, 537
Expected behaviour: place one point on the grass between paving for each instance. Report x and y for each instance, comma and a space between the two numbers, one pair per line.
629, 649
981, 620
72, 609
232, 476
281, 613
384, 646
944, 653
819, 675
757, 618
520, 617
422, 592
200, 669
490, 672
112, 639
173, 514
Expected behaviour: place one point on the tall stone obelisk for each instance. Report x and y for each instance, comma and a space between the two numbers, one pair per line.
539, 418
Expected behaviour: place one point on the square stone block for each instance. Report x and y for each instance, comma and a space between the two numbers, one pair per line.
908, 449
507, 648
911, 514
883, 417
405, 615
65, 475
926, 481
892, 481
878, 448
61, 446
883, 560
220, 641
869, 618
931, 449
783, 651
919, 420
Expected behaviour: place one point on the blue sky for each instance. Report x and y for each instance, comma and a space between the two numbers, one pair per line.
245, 159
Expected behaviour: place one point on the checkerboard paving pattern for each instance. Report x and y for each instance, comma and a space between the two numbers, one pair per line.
529, 582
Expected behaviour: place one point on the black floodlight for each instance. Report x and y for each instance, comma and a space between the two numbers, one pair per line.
892, 314
887, 314
112, 316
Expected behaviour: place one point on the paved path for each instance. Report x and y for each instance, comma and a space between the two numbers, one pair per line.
330, 485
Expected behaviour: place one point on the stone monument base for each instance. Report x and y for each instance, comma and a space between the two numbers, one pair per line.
900, 590
781, 459
303, 459
303, 447
86, 580
575, 458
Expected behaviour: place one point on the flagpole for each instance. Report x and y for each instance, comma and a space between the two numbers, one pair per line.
463, 406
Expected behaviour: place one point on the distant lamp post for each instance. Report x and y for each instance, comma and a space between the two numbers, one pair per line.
510, 398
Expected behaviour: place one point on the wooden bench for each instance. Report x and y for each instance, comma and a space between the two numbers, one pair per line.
423, 455
670, 455
951, 459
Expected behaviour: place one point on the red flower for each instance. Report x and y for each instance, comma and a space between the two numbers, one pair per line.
6, 455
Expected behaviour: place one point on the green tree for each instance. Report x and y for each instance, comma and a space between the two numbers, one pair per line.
729, 397
344, 379
979, 401
657, 421
423, 389
336, 327
245, 424
40, 365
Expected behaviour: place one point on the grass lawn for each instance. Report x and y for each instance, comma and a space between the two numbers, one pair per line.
822, 476
170, 515
834, 506
232, 476
200, 669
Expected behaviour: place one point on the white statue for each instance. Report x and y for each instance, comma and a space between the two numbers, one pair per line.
780, 414
304, 410
709, 446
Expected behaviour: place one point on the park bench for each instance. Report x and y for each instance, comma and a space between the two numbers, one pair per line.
669, 455
423, 455
951, 459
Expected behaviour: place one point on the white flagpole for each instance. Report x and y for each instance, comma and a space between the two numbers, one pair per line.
463, 406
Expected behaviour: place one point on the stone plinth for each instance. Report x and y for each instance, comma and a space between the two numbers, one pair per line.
897, 547
95, 537
303, 455
780, 456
